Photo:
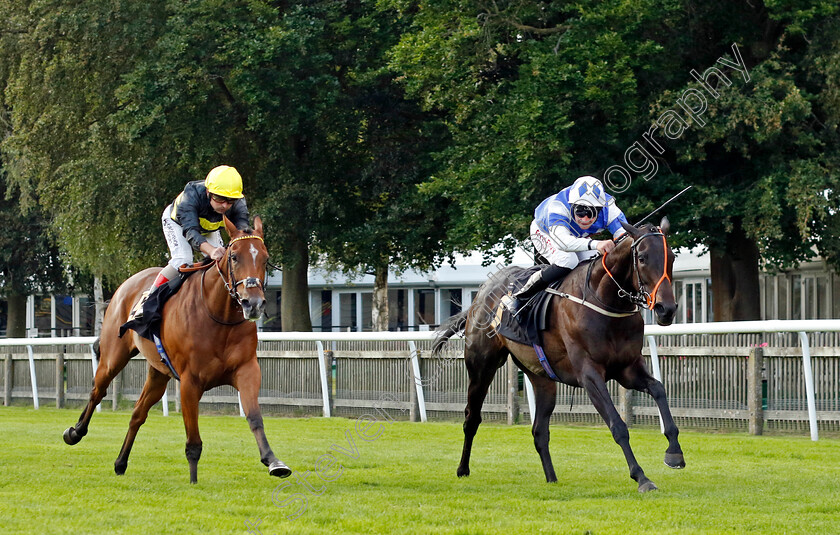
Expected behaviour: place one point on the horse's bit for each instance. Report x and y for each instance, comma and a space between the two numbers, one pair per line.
642, 297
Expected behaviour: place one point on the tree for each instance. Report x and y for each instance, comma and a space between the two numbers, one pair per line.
64, 153
29, 261
29, 258
387, 224
540, 93
764, 158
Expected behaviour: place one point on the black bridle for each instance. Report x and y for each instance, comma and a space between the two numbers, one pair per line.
230, 282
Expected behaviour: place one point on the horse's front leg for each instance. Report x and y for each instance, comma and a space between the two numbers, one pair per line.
190, 396
639, 379
593, 381
247, 381
545, 398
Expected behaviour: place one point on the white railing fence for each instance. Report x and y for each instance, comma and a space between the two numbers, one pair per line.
411, 339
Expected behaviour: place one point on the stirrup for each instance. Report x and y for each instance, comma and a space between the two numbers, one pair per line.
137, 311
512, 304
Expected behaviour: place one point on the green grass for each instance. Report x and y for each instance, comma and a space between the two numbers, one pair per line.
404, 481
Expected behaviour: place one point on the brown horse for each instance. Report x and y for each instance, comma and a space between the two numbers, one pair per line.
209, 340
585, 345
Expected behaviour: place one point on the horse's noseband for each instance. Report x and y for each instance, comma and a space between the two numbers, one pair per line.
642, 297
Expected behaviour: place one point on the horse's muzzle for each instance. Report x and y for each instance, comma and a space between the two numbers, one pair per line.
665, 313
253, 307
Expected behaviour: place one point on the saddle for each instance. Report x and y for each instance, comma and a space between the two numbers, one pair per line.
532, 317
147, 325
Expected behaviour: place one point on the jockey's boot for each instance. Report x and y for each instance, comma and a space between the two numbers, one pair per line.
536, 283
162, 278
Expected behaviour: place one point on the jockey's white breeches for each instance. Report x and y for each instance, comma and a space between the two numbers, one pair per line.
180, 250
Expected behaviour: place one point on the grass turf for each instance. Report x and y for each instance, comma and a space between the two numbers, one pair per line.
403, 481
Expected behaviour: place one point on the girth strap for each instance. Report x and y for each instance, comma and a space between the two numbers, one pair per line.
164, 357
594, 307
544, 361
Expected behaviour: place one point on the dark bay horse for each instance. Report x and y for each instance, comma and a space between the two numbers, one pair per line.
584, 346
209, 340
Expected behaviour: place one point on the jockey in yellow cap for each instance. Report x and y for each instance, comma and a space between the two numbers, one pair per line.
193, 220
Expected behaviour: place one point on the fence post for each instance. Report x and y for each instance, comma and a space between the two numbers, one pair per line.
325, 371
116, 389
414, 405
8, 380
33, 377
59, 381
809, 385
625, 405
328, 363
417, 383
755, 364
513, 392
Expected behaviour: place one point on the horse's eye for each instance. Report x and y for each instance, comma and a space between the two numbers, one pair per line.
233, 257
642, 259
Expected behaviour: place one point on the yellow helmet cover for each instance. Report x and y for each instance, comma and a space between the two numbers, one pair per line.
224, 181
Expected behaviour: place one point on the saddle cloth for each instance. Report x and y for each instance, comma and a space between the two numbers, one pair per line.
148, 324
532, 317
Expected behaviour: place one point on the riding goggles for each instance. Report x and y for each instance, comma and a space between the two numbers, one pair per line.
222, 200
590, 212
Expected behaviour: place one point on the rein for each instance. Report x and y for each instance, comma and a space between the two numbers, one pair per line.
642, 297
230, 282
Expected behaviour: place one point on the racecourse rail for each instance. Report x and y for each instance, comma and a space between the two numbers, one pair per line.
748, 373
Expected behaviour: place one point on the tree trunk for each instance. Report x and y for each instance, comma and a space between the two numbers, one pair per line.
735, 286
380, 299
16, 316
99, 305
294, 297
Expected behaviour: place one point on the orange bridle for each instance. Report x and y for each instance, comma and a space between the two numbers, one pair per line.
642, 297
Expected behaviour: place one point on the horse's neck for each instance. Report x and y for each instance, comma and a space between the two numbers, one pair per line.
216, 297
619, 263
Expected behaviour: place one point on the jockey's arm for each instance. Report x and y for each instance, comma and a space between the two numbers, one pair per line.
566, 241
216, 253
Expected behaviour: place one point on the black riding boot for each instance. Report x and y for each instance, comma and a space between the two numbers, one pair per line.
538, 282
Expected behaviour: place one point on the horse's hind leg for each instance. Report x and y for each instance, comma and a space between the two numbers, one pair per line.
595, 386
639, 379
116, 356
545, 394
482, 368
247, 381
152, 392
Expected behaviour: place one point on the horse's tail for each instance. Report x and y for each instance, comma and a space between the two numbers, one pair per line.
96, 348
453, 325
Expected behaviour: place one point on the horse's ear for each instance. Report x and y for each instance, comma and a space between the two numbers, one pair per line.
232, 231
665, 226
631, 230
258, 228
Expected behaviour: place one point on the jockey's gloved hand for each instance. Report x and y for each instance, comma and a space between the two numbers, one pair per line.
605, 246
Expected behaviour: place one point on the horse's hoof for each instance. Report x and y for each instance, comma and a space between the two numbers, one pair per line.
71, 437
120, 468
647, 486
463, 472
278, 469
674, 460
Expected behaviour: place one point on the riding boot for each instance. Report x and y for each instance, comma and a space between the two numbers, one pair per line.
536, 283
164, 276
